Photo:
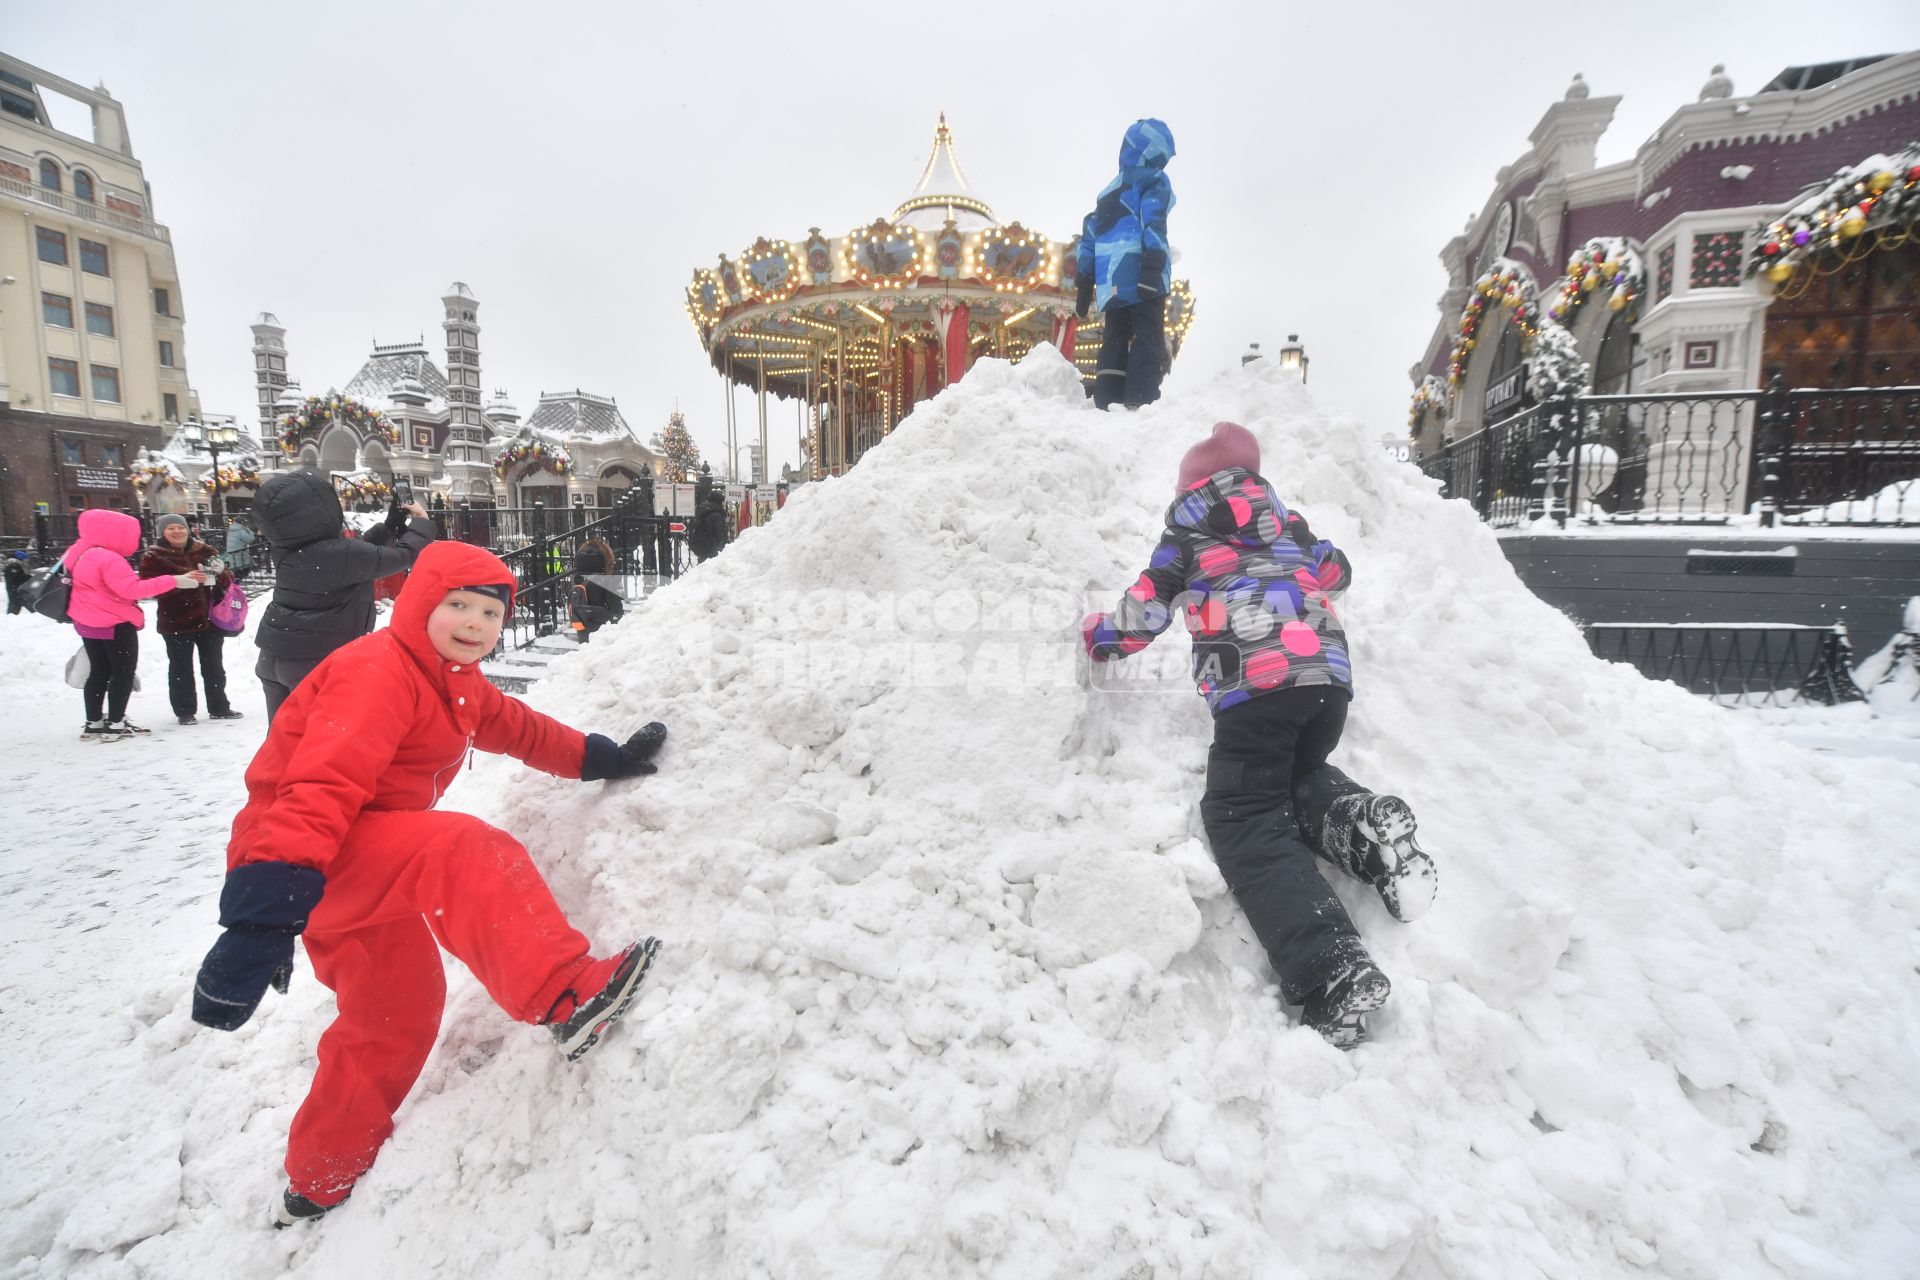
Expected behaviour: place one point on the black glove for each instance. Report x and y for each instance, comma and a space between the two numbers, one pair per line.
607, 759
263, 907
1083, 300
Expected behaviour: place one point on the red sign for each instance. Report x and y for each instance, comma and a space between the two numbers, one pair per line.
677, 527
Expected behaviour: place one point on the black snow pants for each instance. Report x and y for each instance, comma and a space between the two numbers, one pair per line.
1133, 354
1268, 784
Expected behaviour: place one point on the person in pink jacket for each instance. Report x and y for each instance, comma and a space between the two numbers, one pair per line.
105, 608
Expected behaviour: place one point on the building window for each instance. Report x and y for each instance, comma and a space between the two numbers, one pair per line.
170, 407
162, 304
277, 363
72, 452
63, 376
166, 355
110, 455
53, 245
56, 309
83, 185
100, 318
106, 383
1716, 260
93, 257
49, 175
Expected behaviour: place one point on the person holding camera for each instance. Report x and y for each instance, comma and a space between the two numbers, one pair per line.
323, 582
183, 620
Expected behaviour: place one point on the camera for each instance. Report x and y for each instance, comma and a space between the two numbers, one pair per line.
402, 493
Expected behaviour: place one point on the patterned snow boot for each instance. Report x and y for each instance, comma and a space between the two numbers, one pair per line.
1372, 837
1338, 1010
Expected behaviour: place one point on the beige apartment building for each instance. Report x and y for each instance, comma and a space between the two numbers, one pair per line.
93, 359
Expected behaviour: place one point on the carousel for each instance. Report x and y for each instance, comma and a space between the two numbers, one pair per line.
856, 329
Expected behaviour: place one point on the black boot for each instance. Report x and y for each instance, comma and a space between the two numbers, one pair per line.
1371, 838
1337, 1011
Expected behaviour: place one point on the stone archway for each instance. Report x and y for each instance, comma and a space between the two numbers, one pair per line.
339, 451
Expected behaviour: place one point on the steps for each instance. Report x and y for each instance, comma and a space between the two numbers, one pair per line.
518, 670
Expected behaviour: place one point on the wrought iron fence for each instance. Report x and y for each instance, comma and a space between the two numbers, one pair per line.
1736, 664
640, 548
1803, 456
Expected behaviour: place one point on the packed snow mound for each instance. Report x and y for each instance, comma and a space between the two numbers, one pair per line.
953, 987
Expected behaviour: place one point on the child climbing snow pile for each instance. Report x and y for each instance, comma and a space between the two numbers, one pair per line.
1270, 657
337, 845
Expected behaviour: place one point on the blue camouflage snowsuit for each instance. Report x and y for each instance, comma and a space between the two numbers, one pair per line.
1123, 269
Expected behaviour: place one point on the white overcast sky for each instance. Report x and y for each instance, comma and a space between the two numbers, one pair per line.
339, 164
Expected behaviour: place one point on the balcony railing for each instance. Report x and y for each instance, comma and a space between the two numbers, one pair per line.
84, 210
1806, 456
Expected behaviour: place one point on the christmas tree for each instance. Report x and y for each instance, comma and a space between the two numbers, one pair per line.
677, 447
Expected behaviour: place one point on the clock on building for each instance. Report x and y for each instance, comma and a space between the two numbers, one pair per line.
1502, 238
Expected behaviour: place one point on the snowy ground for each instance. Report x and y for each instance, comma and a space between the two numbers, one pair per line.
952, 986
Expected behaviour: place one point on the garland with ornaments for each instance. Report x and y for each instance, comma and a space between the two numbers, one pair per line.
245, 476
1871, 205
525, 457
361, 489
1432, 393
1606, 267
1506, 284
321, 412
151, 472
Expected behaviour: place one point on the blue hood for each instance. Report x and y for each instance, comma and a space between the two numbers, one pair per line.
1148, 145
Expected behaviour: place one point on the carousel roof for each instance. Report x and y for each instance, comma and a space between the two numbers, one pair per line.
943, 192
389, 366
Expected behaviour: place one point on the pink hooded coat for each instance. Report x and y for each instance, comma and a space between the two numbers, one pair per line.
106, 590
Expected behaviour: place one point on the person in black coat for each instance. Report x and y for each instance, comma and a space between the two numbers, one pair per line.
323, 582
707, 532
18, 571
591, 606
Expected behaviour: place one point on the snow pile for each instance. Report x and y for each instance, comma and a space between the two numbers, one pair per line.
952, 986
1891, 677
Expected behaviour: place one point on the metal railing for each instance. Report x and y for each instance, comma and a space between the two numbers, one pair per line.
1736, 664
643, 549
1802, 456
85, 210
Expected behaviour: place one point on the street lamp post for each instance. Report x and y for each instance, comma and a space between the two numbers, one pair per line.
215, 439
1294, 356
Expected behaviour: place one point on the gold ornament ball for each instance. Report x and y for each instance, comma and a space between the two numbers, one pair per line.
1618, 302
1590, 281
1779, 272
1881, 181
1608, 267
1852, 225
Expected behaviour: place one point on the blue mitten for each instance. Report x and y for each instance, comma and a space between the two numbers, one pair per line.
263, 907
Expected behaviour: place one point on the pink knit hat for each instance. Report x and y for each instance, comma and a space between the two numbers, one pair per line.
1230, 445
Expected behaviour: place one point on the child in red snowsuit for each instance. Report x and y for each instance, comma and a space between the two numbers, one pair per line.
337, 844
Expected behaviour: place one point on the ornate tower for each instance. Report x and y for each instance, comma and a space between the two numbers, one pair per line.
466, 455
269, 369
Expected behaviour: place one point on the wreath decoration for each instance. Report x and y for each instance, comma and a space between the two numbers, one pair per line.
1606, 266
320, 412
1508, 284
525, 457
244, 476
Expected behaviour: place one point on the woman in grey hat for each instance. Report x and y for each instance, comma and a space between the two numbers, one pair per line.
181, 618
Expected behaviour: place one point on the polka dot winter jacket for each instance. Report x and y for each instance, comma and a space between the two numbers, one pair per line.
1255, 587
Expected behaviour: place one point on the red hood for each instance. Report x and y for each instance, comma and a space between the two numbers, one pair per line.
440, 568
116, 531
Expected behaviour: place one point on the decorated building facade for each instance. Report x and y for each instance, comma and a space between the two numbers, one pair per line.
1776, 231
404, 416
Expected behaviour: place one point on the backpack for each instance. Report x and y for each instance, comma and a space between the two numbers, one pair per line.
229, 612
50, 593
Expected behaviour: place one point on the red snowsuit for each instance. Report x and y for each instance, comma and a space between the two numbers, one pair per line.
355, 759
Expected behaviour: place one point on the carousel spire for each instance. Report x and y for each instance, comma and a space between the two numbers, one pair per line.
943, 191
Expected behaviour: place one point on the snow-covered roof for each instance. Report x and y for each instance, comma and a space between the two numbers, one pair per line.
578, 415
388, 366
